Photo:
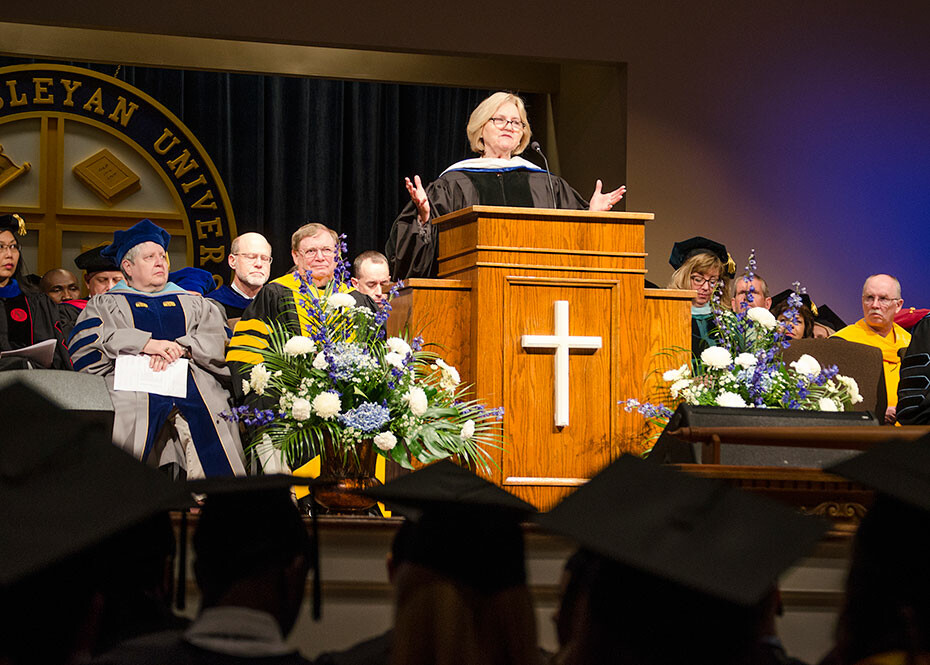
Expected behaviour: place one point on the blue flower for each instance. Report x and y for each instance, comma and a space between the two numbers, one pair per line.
366, 417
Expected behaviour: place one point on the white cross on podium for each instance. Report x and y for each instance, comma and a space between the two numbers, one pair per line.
561, 342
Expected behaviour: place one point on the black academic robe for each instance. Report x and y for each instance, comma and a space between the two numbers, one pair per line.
914, 385
28, 318
412, 250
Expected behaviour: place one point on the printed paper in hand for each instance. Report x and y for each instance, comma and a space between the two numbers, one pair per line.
133, 373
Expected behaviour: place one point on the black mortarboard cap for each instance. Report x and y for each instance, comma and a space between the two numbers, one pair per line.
695, 532
138, 233
827, 317
900, 469
782, 296
13, 223
93, 261
684, 249
64, 486
462, 526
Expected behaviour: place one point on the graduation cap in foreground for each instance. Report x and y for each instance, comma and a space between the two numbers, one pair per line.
685, 249
64, 486
900, 469
461, 525
695, 532
250, 518
93, 261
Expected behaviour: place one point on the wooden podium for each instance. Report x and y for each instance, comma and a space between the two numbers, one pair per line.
546, 313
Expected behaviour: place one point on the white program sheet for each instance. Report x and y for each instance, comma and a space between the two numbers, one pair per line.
133, 373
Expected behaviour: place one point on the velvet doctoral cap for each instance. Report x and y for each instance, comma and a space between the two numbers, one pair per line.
13, 223
64, 486
685, 249
782, 296
197, 280
900, 469
461, 526
694, 532
93, 261
827, 317
140, 232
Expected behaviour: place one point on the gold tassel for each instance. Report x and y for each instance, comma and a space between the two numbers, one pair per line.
22, 224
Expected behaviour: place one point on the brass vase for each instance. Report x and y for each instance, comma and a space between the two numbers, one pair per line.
344, 473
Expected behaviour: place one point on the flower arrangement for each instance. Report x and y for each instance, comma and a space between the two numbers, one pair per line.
346, 383
747, 370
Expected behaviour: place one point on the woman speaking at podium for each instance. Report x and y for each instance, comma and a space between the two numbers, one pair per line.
498, 131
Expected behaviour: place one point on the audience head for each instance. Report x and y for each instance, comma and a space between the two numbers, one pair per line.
12, 228
250, 260
701, 265
142, 254
315, 249
688, 549
753, 292
60, 284
480, 129
887, 605
100, 273
881, 300
372, 276
251, 546
459, 570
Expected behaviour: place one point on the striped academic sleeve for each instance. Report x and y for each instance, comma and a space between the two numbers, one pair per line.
85, 344
248, 334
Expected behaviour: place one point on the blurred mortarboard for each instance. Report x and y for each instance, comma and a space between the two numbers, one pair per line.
695, 532
909, 317
93, 261
138, 233
13, 223
782, 296
685, 249
827, 317
900, 469
193, 279
64, 486
462, 526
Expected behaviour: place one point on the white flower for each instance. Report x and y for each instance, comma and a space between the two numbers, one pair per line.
320, 361
415, 398
827, 404
468, 430
300, 409
450, 376
762, 316
299, 346
673, 375
746, 360
806, 365
716, 357
340, 300
258, 378
385, 440
676, 388
327, 405
851, 386
394, 359
730, 399
246, 387
397, 345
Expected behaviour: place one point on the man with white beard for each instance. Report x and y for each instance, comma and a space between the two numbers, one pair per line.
250, 260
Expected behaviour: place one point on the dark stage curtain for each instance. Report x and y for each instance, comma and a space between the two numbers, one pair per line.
293, 150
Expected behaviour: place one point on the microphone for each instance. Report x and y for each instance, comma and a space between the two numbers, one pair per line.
535, 146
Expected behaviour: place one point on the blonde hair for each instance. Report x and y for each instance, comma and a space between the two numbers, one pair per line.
443, 622
486, 110
702, 262
310, 230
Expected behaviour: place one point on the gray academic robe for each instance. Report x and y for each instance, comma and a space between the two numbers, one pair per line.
122, 321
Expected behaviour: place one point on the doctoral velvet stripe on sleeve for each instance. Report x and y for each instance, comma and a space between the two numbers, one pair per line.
914, 386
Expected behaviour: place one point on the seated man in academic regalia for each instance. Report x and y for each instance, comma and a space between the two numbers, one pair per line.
250, 260
27, 316
914, 387
147, 315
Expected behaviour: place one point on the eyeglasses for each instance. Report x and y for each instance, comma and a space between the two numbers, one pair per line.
700, 280
252, 256
13, 247
883, 302
325, 252
500, 123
